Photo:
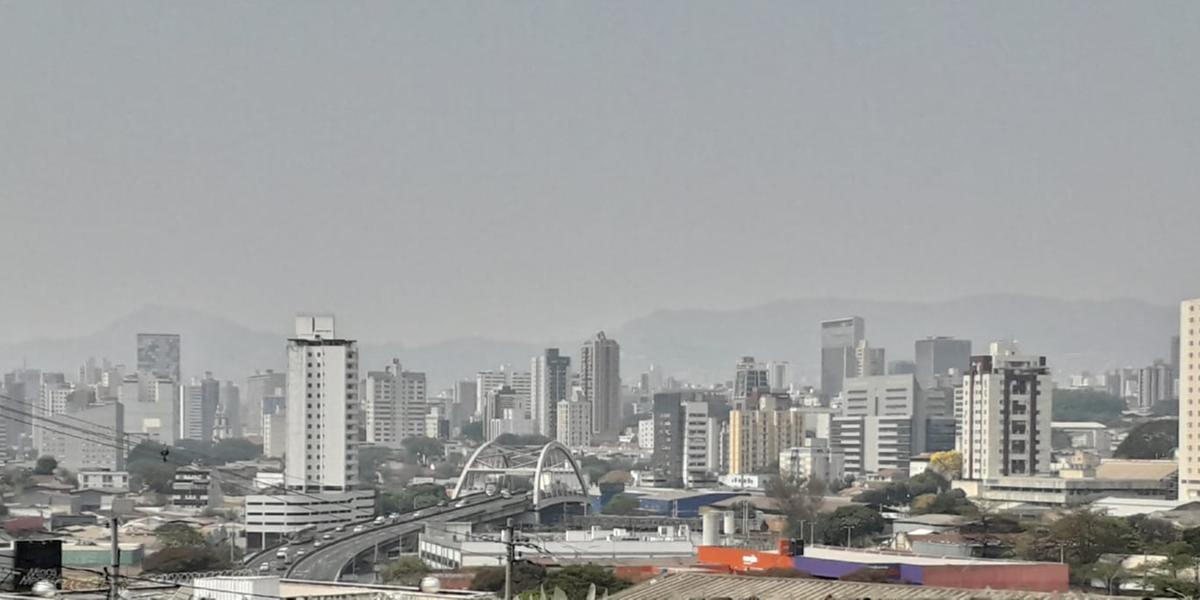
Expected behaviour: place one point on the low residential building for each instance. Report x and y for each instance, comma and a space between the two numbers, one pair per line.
1148, 479
452, 546
103, 479
1086, 435
195, 489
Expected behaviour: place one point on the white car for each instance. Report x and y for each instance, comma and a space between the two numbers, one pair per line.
340, 528
264, 568
359, 529
327, 536
316, 544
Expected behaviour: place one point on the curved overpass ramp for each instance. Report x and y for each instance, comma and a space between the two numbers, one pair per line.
328, 562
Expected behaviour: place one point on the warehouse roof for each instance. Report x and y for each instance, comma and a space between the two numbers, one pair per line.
682, 586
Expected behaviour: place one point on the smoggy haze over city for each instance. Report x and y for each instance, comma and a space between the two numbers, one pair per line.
535, 171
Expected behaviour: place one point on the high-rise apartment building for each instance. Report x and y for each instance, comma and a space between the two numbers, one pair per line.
463, 405
395, 403
1189, 400
551, 384
230, 422
158, 356
1005, 427
750, 378
600, 379
780, 375
198, 408
323, 408
936, 356
839, 338
756, 436
1156, 383
574, 426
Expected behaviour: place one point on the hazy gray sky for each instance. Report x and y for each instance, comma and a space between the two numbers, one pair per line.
524, 170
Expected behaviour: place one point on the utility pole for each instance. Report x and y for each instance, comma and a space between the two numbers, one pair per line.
116, 561
510, 546
848, 530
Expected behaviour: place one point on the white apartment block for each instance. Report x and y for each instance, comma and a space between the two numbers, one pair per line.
551, 383
645, 434
1189, 400
323, 408
1006, 414
882, 423
395, 403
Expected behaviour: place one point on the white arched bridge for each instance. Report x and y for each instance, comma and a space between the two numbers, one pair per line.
549, 472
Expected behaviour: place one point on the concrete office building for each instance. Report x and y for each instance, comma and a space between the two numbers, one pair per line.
266, 393
1006, 424
885, 420
551, 384
395, 403
839, 338
151, 409
230, 408
756, 436
780, 375
683, 440
600, 379
936, 356
868, 361
463, 405
574, 427
750, 379
84, 436
1189, 400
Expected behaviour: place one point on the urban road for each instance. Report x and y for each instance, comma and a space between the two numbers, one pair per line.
326, 563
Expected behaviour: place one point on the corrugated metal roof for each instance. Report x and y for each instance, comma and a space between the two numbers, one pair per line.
689, 586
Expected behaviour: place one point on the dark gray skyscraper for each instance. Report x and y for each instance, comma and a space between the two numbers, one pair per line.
937, 355
551, 384
158, 355
600, 378
839, 337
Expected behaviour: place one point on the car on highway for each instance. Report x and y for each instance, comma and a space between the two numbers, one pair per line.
379, 520
264, 568
394, 515
327, 536
441, 503
340, 528
281, 553
359, 529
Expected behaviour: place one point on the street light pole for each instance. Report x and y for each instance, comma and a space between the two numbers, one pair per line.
510, 544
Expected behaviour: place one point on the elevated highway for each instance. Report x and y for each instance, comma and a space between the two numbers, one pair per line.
497, 483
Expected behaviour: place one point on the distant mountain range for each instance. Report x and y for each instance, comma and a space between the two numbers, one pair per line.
699, 345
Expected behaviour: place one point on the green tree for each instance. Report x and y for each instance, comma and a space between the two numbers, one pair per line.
178, 535
928, 482
526, 576
472, 431
861, 521
370, 461
1110, 572
576, 579
1153, 534
621, 504
407, 570
178, 560
228, 450
423, 449
45, 465
1086, 405
1149, 440
1080, 536
797, 498
155, 475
